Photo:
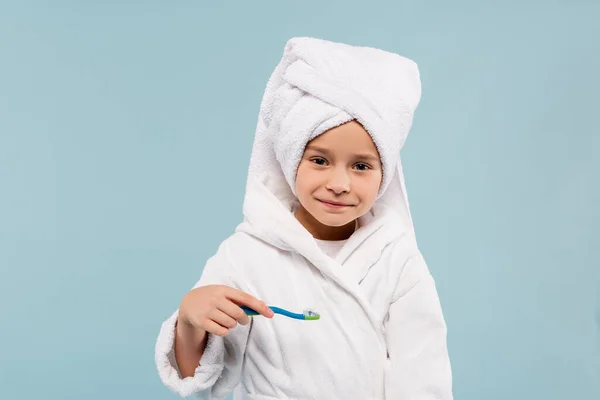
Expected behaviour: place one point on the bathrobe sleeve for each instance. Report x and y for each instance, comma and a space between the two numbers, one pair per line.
220, 367
419, 366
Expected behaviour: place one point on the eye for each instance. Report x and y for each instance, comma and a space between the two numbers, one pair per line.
362, 167
319, 161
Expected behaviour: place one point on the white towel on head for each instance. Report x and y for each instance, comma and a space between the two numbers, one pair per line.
319, 85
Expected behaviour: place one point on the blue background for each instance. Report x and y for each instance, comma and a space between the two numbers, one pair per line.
125, 134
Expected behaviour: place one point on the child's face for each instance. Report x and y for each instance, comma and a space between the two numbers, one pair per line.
337, 180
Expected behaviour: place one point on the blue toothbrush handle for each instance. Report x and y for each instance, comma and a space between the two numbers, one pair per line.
249, 311
287, 313
276, 310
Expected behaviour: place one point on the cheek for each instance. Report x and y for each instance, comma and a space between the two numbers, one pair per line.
369, 188
303, 180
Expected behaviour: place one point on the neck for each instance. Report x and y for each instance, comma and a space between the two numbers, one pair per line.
321, 231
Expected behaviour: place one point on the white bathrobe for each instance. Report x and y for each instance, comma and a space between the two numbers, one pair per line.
381, 336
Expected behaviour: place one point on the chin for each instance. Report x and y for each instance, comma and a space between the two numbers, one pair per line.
335, 221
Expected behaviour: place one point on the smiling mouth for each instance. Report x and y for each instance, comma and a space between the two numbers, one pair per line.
334, 204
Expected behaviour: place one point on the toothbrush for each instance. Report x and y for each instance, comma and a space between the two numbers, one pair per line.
307, 315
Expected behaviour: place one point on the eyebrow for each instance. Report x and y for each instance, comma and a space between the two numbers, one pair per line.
362, 156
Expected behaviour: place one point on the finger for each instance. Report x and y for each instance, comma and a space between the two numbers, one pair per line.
222, 319
214, 328
234, 311
245, 299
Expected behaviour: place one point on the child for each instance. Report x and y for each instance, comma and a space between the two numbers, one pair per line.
327, 225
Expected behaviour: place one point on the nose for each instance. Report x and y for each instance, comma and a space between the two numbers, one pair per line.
339, 181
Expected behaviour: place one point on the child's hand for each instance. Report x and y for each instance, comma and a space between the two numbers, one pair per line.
216, 309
